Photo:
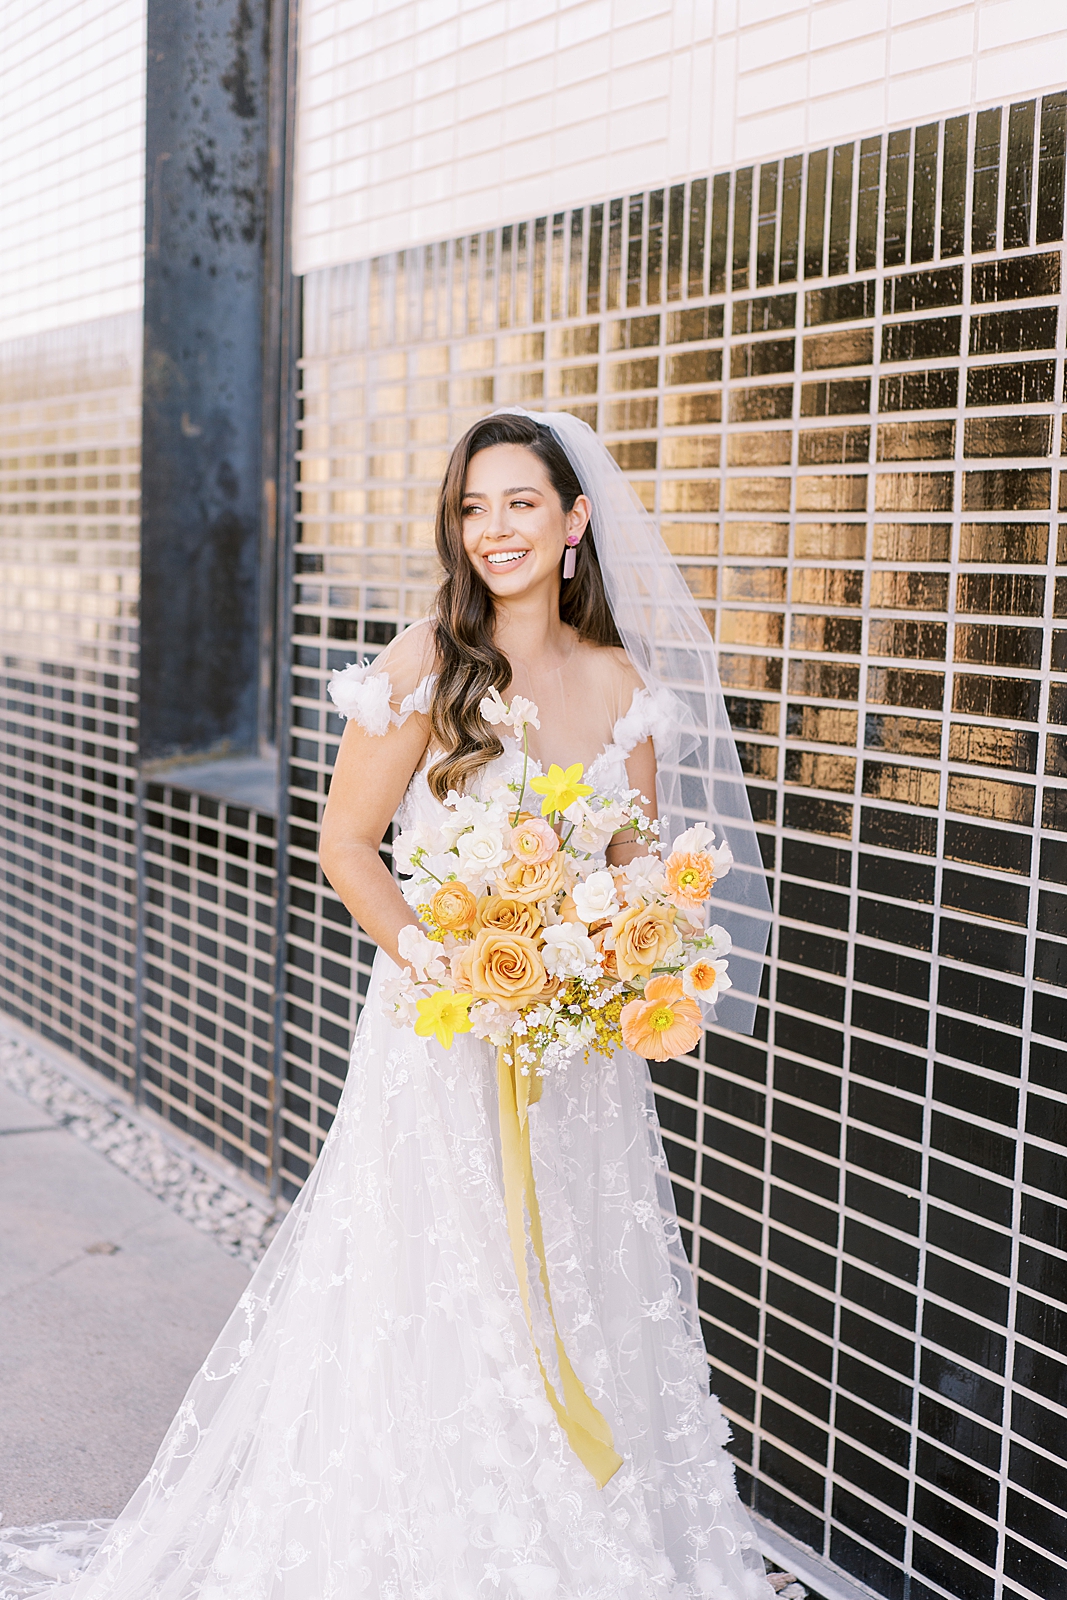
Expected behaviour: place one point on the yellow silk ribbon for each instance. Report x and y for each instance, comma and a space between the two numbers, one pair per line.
587, 1431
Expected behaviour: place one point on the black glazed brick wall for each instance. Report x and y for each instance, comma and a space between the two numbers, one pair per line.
838, 381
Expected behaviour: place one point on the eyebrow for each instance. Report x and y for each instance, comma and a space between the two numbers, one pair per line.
523, 488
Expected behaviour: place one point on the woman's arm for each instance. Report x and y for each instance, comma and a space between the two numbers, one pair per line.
368, 784
641, 773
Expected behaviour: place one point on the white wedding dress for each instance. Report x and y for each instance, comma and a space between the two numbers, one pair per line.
372, 1422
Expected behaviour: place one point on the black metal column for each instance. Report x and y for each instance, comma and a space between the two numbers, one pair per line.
208, 172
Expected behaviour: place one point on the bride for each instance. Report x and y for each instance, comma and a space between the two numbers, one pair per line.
375, 1418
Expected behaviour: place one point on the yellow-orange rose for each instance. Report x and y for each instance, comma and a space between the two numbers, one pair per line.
643, 935
454, 908
506, 967
507, 916
531, 880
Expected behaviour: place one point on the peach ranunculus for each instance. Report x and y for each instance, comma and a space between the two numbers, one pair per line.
531, 881
664, 1023
532, 840
690, 877
454, 908
506, 967
643, 935
507, 916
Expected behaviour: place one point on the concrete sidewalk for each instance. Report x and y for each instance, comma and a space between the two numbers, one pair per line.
108, 1304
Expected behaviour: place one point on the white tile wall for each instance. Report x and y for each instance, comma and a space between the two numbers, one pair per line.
423, 119
72, 83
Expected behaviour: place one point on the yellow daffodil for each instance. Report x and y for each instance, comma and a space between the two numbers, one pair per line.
560, 789
444, 1015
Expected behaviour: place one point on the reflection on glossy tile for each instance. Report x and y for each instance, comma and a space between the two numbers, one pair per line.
922, 641
911, 541
1024, 543
987, 797
909, 591
913, 786
755, 538
811, 770
821, 724
916, 441
751, 627
835, 541
903, 736
759, 449
980, 746
828, 586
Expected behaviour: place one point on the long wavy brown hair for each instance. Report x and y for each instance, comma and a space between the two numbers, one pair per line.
469, 662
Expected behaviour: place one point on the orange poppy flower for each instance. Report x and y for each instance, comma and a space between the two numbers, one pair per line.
664, 1023
690, 877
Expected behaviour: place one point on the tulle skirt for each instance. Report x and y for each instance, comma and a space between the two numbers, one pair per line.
372, 1420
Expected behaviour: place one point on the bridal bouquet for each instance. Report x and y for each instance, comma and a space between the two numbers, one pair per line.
530, 941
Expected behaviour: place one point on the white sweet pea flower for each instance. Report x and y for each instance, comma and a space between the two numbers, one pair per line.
568, 950
644, 877
422, 954
411, 840
596, 899
490, 1021
523, 714
520, 714
494, 710
593, 829
398, 991
717, 943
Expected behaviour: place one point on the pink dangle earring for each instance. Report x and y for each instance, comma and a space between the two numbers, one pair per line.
570, 558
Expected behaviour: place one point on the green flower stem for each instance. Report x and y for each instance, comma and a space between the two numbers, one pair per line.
525, 768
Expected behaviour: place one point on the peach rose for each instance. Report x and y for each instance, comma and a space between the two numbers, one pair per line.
643, 935
532, 840
531, 881
690, 877
664, 1023
607, 957
454, 908
507, 968
507, 915
460, 968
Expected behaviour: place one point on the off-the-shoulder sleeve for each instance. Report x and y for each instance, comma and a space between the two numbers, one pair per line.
365, 694
652, 712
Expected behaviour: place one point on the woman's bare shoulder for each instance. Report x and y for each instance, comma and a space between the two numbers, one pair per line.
410, 659
613, 669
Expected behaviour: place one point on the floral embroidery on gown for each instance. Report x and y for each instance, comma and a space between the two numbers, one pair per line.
371, 1421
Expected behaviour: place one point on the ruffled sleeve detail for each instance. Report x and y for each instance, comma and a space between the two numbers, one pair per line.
364, 694
652, 712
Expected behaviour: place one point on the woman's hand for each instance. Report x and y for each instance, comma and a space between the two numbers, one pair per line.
641, 773
368, 784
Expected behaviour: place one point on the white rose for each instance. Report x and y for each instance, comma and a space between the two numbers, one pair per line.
595, 899
421, 953
481, 852
568, 950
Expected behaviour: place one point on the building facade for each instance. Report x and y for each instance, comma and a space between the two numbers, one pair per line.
818, 322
